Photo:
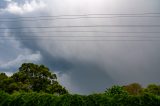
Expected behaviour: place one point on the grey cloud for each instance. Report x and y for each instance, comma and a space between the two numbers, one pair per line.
93, 66
89, 78
19, 60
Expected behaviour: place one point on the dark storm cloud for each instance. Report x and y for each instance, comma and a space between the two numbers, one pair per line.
89, 77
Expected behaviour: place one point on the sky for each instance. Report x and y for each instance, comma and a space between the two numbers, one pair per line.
83, 64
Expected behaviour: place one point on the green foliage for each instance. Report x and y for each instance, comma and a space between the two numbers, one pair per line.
3, 76
35, 85
153, 89
116, 90
4, 97
71, 100
31, 77
45, 99
133, 89
56, 89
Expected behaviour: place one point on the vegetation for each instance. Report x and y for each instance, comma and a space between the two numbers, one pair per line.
31, 77
35, 85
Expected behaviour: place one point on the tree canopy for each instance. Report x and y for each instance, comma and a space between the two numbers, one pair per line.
36, 85
31, 77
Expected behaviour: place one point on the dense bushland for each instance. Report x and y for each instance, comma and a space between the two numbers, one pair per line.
35, 85
45, 99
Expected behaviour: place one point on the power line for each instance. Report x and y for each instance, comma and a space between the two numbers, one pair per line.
36, 18
82, 36
122, 14
57, 40
79, 31
50, 27
49, 19
74, 38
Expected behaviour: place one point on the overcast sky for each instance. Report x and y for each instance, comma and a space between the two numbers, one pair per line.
83, 66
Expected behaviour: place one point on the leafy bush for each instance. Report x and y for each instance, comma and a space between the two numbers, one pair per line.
44, 99
116, 90
35, 85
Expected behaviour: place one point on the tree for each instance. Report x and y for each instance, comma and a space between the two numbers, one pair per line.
116, 90
133, 89
153, 88
6, 85
56, 88
3, 77
32, 77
